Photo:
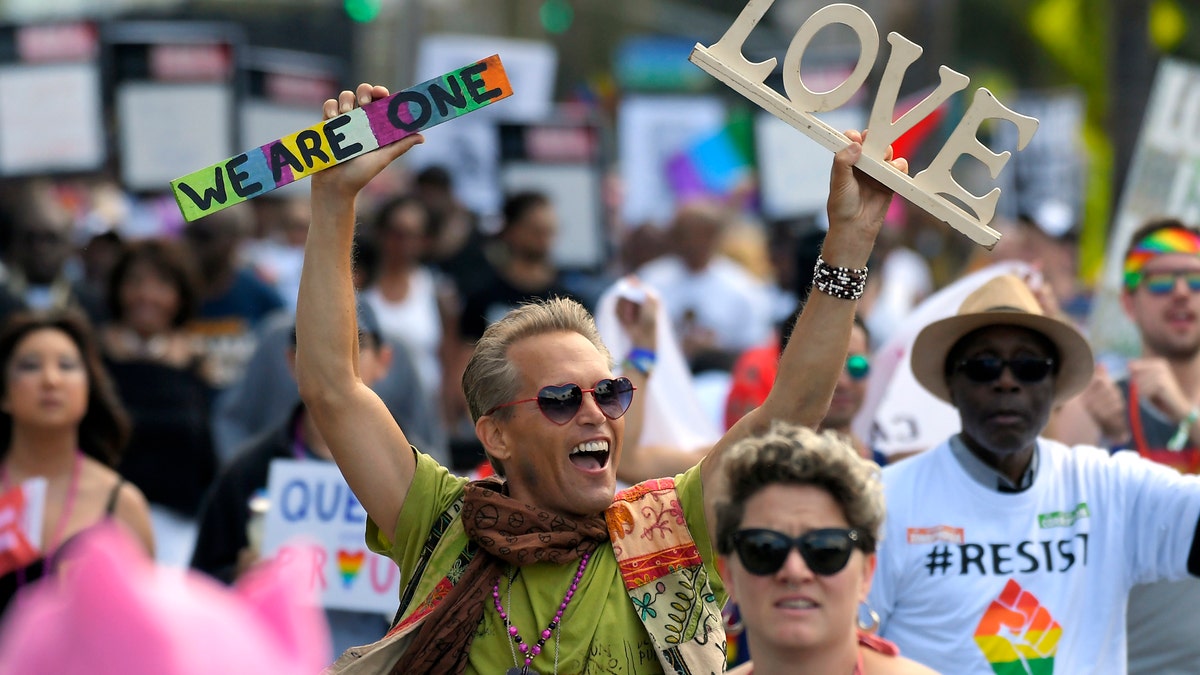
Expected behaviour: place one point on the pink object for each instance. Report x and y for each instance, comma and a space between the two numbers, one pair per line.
110, 610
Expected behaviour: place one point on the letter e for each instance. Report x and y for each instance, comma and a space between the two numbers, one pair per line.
936, 179
236, 177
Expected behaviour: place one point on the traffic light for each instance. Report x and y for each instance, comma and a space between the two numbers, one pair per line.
556, 16
362, 10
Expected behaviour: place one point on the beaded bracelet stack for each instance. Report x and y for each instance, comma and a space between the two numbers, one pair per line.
844, 283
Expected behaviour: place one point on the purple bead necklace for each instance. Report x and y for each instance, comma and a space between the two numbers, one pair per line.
530, 652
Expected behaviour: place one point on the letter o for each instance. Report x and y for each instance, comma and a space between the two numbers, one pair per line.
868, 37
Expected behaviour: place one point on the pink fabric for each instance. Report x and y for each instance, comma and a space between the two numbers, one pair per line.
110, 610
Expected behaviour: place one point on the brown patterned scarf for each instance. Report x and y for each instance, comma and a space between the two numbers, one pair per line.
507, 533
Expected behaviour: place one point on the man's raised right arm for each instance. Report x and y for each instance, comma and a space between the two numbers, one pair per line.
370, 449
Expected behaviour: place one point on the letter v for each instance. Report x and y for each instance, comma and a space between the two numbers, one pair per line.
883, 131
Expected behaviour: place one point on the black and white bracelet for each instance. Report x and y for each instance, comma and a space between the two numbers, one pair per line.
844, 283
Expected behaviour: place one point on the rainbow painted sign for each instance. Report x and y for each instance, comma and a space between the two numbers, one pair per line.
379, 123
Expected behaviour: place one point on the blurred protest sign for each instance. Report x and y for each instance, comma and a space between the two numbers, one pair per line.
315, 519
174, 90
562, 161
651, 131
322, 145
51, 113
934, 189
1163, 181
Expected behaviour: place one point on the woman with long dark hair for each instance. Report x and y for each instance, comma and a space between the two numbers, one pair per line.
61, 421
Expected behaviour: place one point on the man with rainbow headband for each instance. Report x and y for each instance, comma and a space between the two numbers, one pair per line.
1161, 295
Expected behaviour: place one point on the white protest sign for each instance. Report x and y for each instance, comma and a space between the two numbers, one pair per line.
934, 189
316, 519
1163, 182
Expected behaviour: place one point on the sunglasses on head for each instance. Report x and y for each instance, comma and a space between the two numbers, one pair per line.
1027, 369
858, 366
561, 402
1162, 283
825, 552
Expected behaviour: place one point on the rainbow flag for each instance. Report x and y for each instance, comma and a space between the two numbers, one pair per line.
716, 165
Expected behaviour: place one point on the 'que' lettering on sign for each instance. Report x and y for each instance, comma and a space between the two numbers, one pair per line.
379, 123
933, 189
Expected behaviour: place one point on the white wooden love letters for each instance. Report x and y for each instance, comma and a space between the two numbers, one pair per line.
932, 189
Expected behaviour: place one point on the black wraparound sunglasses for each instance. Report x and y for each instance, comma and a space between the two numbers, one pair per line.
824, 551
1027, 369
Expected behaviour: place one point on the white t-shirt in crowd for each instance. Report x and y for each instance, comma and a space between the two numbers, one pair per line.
724, 298
975, 581
416, 322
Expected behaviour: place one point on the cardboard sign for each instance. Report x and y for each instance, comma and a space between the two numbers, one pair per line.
932, 189
314, 518
379, 123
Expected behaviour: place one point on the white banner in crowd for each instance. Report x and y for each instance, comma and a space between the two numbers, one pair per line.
899, 415
1163, 181
315, 518
66, 136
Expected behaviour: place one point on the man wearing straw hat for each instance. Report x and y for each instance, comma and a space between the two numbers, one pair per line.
1006, 552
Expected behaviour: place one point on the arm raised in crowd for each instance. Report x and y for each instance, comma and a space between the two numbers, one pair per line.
367, 444
810, 366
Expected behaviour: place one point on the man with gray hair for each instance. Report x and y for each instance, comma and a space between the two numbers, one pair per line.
547, 569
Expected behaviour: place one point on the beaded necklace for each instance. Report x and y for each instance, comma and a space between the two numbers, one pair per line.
530, 652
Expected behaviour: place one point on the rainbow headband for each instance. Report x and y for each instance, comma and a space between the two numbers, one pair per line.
1159, 242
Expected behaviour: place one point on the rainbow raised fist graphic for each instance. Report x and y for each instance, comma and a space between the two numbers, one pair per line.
1017, 635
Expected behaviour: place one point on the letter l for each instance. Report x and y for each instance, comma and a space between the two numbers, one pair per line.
728, 49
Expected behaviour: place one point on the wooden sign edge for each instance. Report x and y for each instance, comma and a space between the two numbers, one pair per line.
773, 102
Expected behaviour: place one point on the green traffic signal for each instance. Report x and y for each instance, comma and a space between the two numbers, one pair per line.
363, 11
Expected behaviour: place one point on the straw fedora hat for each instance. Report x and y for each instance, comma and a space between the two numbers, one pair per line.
1003, 301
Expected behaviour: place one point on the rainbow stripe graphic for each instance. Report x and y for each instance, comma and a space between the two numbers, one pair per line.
349, 564
1017, 635
379, 123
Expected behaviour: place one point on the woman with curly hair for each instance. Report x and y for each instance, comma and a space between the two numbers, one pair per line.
797, 540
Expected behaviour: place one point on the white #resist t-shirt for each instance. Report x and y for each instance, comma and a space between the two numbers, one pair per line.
972, 580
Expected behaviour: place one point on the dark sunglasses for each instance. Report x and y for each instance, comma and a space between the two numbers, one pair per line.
826, 551
857, 366
1162, 283
1027, 369
561, 402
